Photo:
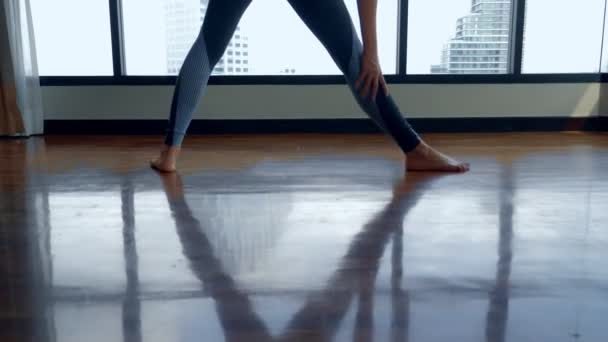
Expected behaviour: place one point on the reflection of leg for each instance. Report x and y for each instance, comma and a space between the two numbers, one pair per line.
131, 311
364, 324
321, 315
400, 299
234, 308
498, 311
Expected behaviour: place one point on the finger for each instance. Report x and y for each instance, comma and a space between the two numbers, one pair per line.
366, 86
375, 83
384, 86
360, 84
359, 80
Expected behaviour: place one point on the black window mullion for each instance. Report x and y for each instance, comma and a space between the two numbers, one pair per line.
116, 32
517, 39
402, 21
603, 37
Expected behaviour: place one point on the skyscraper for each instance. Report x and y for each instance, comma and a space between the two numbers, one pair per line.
481, 42
184, 19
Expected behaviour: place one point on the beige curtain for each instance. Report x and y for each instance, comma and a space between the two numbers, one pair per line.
20, 96
10, 117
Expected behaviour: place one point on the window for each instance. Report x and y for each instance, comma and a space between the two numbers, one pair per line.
434, 35
605, 52
150, 47
444, 37
562, 36
64, 51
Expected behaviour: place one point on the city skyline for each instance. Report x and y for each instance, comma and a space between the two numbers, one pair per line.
285, 43
481, 42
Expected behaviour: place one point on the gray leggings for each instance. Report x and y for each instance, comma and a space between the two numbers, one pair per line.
330, 22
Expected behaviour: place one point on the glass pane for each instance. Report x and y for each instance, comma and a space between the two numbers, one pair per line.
562, 36
74, 321
159, 33
605, 46
458, 36
87, 256
73, 37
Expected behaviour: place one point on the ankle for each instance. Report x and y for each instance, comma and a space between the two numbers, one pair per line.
170, 148
170, 151
421, 150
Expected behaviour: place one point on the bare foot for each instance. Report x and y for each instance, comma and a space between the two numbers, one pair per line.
425, 158
166, 161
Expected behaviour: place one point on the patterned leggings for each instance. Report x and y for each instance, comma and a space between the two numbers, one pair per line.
328, 20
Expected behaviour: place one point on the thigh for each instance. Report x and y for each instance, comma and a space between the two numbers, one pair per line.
331, 23
221, 19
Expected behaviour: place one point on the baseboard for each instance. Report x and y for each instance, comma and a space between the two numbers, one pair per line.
603, 123
435, 125
14, 137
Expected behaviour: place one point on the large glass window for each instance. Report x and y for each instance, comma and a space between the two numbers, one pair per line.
159, 33
605, 47
73, 37
444, 37
458, 36
562, 36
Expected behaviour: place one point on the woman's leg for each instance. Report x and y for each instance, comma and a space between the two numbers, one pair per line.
219, 24
331, 23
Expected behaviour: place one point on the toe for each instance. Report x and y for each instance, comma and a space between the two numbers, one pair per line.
454, 166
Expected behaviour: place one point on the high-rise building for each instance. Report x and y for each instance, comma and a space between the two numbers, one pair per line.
184, 19
481, 42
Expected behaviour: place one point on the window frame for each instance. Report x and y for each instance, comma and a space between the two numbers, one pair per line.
514, 74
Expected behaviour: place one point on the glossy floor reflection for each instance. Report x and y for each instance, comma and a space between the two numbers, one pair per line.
305, 238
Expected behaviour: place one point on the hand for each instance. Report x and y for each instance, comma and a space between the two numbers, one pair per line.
370, 77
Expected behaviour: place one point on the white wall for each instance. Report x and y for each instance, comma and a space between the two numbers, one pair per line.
326, 101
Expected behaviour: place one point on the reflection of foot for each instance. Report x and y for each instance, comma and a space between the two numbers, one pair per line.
414, 182
166, 161
425, 158
172, 183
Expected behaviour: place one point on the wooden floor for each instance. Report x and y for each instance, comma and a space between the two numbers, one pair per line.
304, 238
